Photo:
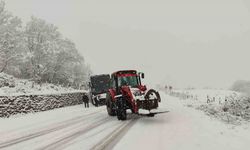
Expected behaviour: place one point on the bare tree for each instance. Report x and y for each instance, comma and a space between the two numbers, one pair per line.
10, 38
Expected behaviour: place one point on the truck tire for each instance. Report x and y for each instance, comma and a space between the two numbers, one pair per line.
110, 105
93, 101
121, 109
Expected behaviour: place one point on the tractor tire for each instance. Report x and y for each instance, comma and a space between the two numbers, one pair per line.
153, 92
110, 106
121, 109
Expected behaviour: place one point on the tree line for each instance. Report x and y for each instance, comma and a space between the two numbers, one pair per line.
38, 51
242, 86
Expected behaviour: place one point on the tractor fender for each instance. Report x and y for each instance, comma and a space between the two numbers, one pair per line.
112, 93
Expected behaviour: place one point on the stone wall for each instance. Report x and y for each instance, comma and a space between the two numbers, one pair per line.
23, 104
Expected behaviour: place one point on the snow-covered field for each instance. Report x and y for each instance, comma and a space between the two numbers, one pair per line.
202, 96
80, 128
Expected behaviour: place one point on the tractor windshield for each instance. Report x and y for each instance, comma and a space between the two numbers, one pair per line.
128, 80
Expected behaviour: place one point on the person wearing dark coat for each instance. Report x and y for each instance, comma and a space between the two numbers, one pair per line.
85, 100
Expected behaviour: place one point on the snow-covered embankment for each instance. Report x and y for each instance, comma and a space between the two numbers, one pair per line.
228, 106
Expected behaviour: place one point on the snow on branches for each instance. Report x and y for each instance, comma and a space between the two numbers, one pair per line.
39, 52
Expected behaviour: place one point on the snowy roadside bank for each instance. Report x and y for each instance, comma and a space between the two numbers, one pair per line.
228, 106
11, 86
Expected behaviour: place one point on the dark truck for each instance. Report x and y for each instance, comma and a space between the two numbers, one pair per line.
99, 86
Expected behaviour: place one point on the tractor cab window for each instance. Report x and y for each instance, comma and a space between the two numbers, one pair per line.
128, 80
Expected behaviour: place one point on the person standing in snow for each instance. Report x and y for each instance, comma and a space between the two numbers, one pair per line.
208, 99
85, 100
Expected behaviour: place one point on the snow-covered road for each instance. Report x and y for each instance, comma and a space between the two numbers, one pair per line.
184, 128
79, 128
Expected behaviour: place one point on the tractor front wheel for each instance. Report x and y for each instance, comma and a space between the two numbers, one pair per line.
121, 109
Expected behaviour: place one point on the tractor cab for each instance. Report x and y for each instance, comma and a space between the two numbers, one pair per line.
127, 78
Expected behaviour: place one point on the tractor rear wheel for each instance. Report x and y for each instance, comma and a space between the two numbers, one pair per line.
110, 105
121, 109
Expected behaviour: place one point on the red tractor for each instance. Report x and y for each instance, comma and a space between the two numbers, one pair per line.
127, 92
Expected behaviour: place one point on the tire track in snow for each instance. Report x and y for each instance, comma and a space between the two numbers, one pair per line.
110, 140
59, 144
56, 127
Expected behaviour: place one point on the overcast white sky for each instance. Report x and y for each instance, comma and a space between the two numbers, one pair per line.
183, 42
